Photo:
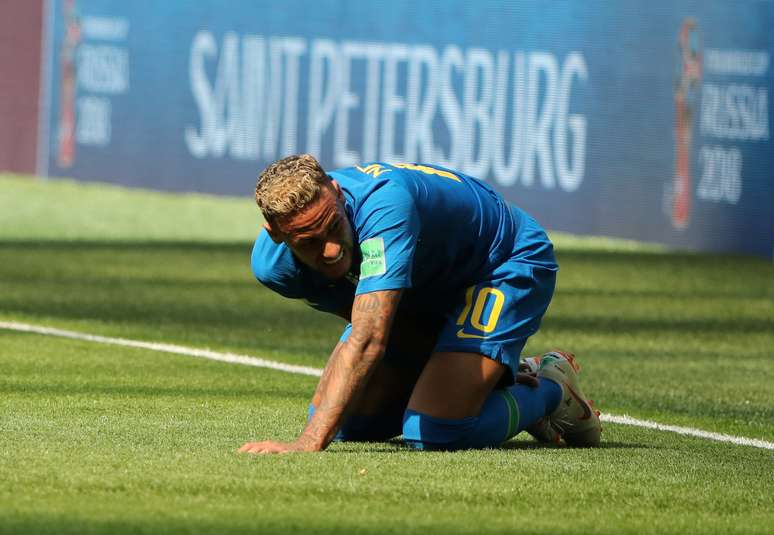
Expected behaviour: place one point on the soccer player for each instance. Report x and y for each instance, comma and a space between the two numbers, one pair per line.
442, 282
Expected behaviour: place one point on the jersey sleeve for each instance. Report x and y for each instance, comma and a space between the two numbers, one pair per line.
274, 267
388, 229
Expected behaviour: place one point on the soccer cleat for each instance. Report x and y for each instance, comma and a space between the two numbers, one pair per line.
543, 432
532, 364
574, 420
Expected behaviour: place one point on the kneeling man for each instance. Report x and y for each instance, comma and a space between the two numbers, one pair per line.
442, 283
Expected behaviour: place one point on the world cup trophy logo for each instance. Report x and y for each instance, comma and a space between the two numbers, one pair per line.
686, 97
67, 88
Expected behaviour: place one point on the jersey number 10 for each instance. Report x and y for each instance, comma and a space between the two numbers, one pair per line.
473, 313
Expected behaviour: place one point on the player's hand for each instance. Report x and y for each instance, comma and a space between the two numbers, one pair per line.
270, 446
529, 379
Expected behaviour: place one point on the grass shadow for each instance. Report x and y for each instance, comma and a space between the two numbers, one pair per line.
397, 445
532, 445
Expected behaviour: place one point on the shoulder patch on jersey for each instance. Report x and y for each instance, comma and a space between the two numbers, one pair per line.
374, 262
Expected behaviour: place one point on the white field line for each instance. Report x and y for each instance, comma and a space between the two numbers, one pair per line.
690, 431
233, 358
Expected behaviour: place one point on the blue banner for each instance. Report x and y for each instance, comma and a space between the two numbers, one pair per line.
640, 120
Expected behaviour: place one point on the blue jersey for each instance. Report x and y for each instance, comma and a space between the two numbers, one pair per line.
418, 227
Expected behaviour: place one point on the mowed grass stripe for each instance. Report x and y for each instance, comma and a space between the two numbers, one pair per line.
108, 439
232, 358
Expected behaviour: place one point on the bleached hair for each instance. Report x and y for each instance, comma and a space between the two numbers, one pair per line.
288, 185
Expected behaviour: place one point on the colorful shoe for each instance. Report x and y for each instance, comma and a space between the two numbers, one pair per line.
543, 432
574, 420
532, 364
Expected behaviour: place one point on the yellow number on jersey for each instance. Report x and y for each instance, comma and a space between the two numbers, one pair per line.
374, 169
477, 320
428, 170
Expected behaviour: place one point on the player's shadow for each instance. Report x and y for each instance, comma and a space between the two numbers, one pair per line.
397, 445
532, 445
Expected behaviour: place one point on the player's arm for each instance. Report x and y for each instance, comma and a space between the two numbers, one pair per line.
345, 374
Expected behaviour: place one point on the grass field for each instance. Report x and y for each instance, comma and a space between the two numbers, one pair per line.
101, 439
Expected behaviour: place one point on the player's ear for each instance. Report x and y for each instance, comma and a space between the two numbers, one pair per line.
337, 189
273, 234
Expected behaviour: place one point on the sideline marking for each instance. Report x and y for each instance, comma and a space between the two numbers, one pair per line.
233, 358
690, 431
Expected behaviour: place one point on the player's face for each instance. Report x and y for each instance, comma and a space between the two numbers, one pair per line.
320, 234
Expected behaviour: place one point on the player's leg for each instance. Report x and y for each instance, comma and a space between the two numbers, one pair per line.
456, 402
456, 405
377, 413
461, 401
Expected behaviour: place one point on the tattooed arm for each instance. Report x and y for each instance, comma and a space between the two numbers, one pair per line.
345, 374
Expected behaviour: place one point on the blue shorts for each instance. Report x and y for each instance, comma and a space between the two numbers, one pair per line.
496, 316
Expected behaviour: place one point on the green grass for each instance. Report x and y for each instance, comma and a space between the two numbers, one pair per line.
101, 439
33, 209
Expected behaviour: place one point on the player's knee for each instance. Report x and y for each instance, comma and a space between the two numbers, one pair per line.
425, 432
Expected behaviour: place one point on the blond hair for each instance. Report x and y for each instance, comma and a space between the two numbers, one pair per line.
288, 185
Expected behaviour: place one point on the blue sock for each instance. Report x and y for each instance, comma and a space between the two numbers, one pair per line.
534, 403
504, 414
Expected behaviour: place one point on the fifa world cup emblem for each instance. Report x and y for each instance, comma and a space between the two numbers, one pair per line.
67, 88
686, 95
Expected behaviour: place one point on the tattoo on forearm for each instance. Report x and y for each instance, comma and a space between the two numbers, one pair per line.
350, 364
366, 303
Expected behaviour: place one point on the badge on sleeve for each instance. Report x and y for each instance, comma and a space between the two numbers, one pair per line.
374, 262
